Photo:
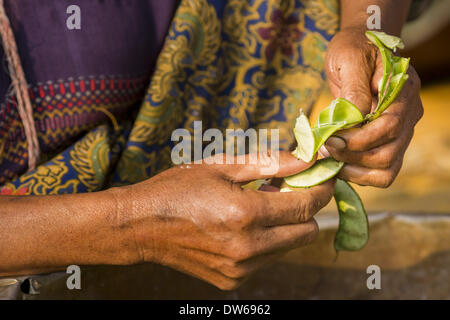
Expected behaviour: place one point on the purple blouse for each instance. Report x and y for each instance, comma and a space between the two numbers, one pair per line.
72, 74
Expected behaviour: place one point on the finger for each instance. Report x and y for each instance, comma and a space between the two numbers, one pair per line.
381, 178
402, 115
230, 266
287, 237
356, 80
413, 85
381, 157
196, 264
373, 134
334, 89
336, 92
376, 80
261, 166
244, 269
282, 208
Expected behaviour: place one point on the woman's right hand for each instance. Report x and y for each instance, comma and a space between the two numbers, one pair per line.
197, 219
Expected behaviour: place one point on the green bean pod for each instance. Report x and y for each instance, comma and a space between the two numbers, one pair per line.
353, 231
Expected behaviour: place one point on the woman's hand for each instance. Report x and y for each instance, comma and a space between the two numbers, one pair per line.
198, 219
374, 152
194, 218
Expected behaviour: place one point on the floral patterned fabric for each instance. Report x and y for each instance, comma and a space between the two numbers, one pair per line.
232, 64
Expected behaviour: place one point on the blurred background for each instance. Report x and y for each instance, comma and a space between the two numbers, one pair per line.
409, 222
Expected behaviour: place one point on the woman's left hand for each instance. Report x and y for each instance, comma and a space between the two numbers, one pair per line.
374, 152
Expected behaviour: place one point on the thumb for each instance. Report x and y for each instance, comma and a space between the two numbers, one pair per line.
260, 166
356, 85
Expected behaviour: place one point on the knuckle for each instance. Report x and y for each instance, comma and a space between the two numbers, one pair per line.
244, 253
238, 209
229, 284
313, 232
386, 159
239, 217
357, 142
315, 203
235, 272
241, 250
395, 127
303, 212
357, 92
420, 112
328, 195
415, 81
385, 180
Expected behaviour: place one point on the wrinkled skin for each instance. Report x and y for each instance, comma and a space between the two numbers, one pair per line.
193, 218
217, 231
374, 152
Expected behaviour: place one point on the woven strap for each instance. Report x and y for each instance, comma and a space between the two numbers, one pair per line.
20, 87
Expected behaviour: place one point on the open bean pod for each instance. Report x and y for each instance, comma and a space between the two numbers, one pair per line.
353, 231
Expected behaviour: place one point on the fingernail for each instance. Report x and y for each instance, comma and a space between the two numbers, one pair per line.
336, 143
324, 152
